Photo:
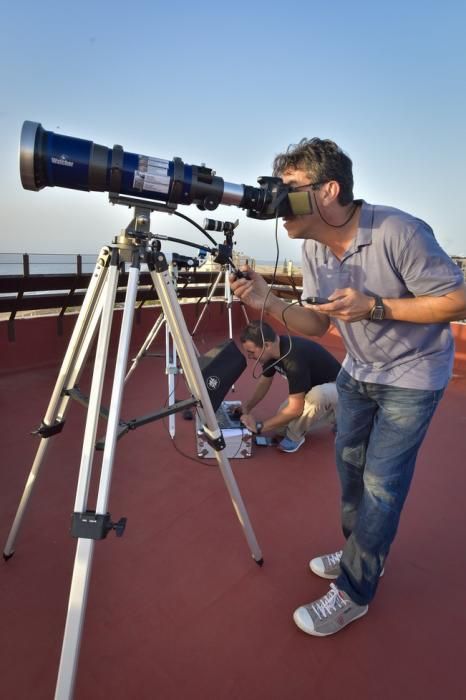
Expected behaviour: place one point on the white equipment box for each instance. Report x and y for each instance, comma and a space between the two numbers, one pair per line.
238, 439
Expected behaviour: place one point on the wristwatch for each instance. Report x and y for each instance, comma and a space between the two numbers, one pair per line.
259, 426
378, 310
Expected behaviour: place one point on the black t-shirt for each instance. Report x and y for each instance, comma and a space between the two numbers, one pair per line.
307, 365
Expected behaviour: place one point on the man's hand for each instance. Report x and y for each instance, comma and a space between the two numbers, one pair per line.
236, 412
249, 422
252, 291
348, 305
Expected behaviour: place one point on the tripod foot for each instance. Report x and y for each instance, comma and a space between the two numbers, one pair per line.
7, 556
259, 562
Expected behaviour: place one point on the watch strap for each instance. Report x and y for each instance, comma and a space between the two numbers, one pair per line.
378, 310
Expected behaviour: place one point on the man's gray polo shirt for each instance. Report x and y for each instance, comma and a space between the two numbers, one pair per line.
393, 255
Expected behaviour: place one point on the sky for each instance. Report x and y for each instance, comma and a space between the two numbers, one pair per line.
231, 86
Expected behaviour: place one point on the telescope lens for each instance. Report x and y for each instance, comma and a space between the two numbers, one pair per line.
29, 133
213, 225
48, 159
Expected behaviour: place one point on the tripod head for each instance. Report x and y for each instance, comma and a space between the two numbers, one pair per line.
137, 236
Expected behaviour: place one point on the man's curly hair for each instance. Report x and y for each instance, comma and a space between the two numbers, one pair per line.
323, 160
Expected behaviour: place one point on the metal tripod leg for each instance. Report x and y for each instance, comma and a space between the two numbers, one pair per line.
170, 360
146, 345
70, 371
171, 370
185, 347
170, 364
208, 300
229, 303
85, 546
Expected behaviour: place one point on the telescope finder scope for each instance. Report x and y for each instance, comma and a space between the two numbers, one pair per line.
48, 159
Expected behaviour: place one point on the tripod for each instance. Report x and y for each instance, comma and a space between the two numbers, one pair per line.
171, 363
135, 244
225, 271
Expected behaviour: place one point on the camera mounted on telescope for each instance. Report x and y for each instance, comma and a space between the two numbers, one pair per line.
227, 227
225, 249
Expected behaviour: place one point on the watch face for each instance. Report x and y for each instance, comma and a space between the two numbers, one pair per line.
378, 313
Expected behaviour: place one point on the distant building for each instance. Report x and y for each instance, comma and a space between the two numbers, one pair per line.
460, 261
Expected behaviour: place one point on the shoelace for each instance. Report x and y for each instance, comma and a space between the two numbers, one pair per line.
334, 558
329, 603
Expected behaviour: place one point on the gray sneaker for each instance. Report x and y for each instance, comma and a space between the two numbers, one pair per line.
328, 565
328, 614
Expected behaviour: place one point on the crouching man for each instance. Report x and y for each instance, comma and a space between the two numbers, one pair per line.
311, 372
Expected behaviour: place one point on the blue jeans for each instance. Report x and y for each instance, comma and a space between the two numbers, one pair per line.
380, 430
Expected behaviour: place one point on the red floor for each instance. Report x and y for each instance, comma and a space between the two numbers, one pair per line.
178, 610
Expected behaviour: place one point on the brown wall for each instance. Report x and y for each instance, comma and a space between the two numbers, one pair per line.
37, 342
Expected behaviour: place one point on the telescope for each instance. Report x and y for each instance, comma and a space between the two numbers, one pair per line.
48, 159
226, 226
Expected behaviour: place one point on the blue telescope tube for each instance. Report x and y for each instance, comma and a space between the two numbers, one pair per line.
48, 159
55, 160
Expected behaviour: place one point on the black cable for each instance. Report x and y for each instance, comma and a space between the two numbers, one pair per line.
191, 221
183, 454
353, 211
263, 312
164, 420
184, 242
165, 425
287, 308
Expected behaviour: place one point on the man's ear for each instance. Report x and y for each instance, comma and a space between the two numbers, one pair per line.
330, 192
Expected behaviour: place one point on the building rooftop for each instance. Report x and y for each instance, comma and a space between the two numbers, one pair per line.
177, 607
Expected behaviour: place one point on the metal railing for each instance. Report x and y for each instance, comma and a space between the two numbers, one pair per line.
24, 290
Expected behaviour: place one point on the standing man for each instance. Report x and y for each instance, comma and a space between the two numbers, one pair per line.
392, 292
311, 372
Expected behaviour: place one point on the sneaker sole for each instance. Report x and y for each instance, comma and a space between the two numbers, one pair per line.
314, 633
291, 451
322, 574
332, 577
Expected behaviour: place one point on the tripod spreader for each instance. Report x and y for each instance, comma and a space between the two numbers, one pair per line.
95, 527
46, 431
